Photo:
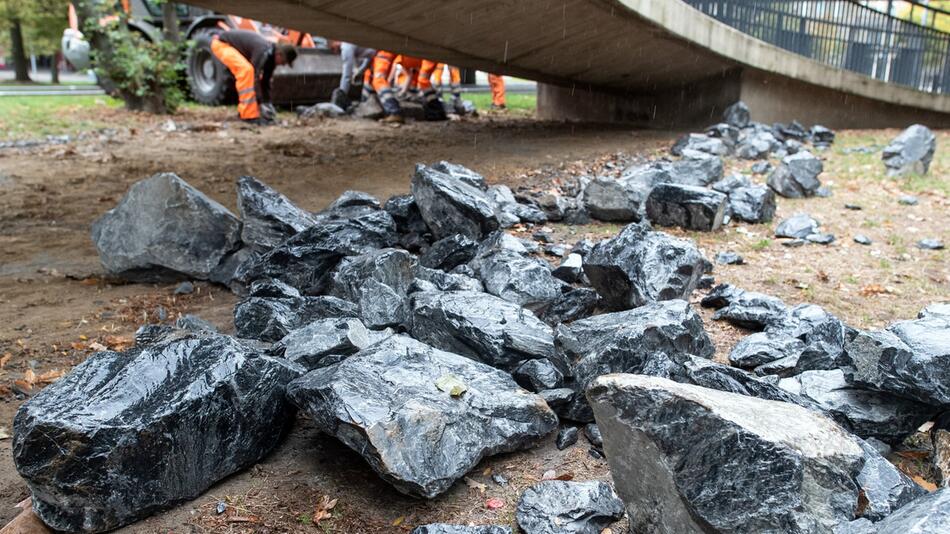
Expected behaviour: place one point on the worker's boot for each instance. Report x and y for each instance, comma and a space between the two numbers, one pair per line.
458, 105
499, 107
338, 98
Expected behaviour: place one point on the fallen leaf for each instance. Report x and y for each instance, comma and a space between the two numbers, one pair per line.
398, 521
322, 511
29, 377
83, 338
243, 519
451, 384
929, 486
873, 289
494, 503
4, 433
77, 345
96, 346
4, 359
119, 343
49, 377
475, 485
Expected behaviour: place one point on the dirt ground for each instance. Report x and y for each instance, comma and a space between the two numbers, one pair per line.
56, 307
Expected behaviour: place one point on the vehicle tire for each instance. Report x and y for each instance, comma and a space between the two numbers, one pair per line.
209, 81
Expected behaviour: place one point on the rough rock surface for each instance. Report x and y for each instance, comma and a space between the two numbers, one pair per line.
927, 515
884, 487
506, 273
577, 303
571, 269
690, 207
868, 414
763, 348
482, 327
560, 507
731, 183
910, 152
443, 528
443, 281
747, 309
385, 402
639, 266
613, 200
379, 283
270, 319
451, 206
307, 346
696, 168
737, 115
268, 217
757, 145
798, 226
674, 447
462, 173
449, 252
753, 204
165, 228
124, 435
797, 175
538, 375
700, 143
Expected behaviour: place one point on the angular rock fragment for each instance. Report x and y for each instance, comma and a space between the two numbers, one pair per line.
566, 437
747, 309
762, 348
700, 143
930, 244
165, 228
823, 334
509, 211
526, 281
639, 266
449, 252
732, 182
927, 515
592, 433
270, 319
798, 226
884, 487
443, 281
194, 323
757, 145
451, 206
693, 208
821, 239
696, 168
907, 200
613, 200
737, 115
443, 528
95, 447
910, 152
462, 173
307, 346
797, 175
577, 303
538, 375
667, 448
821, 136
482, 327
559, 507
412, 229
862, 239
268, 217
385, 403
571, 269
754, 204
379, 283
729, 258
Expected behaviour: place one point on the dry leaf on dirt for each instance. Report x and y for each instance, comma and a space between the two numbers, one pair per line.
929, 486
398, 521
322, 511
475, 485
4, 359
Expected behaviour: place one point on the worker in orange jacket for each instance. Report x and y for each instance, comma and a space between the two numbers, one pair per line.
497, 84
252, 59
382, 66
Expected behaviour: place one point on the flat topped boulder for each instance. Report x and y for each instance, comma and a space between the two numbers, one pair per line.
125, 435
165, 228
753, 204
268, 217
688, 459
910, 152
421, 417
270, 319
450, 205
690, 207
566, 507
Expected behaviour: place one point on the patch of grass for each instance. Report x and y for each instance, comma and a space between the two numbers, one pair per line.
927, 182
524, 102
761, 244
884, 263
31, 117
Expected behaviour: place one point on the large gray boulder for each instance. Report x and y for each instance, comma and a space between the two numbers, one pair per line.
696, 168
165, 228
673, 450
378, 282
506, 272
753, 204
910, 359
910, 152
700, 143
689, 207
639, 265
451, 206
737, 115
482, 327
421, 417
927, 515
868, 414
797, 175
613, 200
268, 217
270, 319
561, 507
309, 345
124, 435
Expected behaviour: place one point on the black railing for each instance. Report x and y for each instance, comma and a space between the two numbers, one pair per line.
848, 35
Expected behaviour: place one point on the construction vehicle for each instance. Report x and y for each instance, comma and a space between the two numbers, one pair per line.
316, 71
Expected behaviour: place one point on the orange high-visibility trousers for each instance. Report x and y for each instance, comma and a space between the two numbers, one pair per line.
455, 79
424, 80
409, 73
243, 71
497, 84
382, 65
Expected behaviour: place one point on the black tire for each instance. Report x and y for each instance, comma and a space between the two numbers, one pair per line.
209, 81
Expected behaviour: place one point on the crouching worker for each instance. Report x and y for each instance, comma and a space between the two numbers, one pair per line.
252, 59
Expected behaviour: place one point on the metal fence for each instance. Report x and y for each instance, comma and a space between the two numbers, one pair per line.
848, 35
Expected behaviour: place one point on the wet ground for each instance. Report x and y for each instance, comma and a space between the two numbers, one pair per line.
56, 307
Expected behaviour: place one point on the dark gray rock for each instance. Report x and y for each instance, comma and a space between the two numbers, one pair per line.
559, 507
797, 175
732, 182
164, 228
538, 375
509, 211
763, 348
379, 283
693, 208
194, 323
930, 244
884, 487
727, 132
268, 217
639, 266
737, 115
927, 515
729, 258
794, 243
386, 403
761, 167
821, 239
443, 281
868, 414
821, 136
907, 200
666, 445
910, 359
307, 346
204, 396
910, 152
747, 309
696, 168
226, 273
270, 319
571, 269
482, 327
450, 206
354, 199
592, 433
575, 304
862, 239
798, 226
700, 143
566, 437
526, 281
823, 334
449, 252
754, 204
613, 200
412, 229
443, 528
272, 289
306, 260
462, 173
757, 145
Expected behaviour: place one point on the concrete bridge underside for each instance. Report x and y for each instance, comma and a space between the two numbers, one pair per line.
658, 63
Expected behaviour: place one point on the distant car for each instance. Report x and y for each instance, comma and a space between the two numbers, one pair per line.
315, 73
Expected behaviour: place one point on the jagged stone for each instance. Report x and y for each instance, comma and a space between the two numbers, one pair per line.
421, 417
379, 283
557, 398
509, 211
95, 447
482, 327
927, 515
163, 228
761, 167
699, 143
737, 115
272, 289
763, 348
270, 319
578, 303
639, 266
443, 528
571, 269
566, 437
227, 271
868, 414
268, 217
732, 182
797, 175
862, 239
823, 334
194, 323
754, 204
307, 346
907, 200
559, 507
726, 132
666, 445
757, 145
443, 281
538, 375
930, 244
592, 433
729, 258
412, 229
462, 173
613, 200
821, 239
696, 168
821, 136
506, 273
798, 226
449, 252
693, 208
884, 487
451, 206
747, 309
910, 152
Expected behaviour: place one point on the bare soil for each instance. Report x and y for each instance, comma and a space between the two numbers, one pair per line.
57, 307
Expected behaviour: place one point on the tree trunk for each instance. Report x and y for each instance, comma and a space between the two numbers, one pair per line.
20, 62
170, 21
54, 68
